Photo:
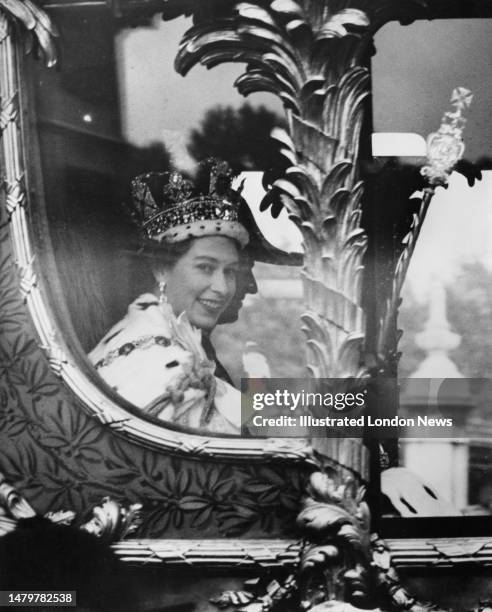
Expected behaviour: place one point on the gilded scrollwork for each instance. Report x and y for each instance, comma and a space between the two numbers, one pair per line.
390, 590
111, 521
15, 196
372, 584
36, 22
12, 503
335, 563
8, 113
259, 598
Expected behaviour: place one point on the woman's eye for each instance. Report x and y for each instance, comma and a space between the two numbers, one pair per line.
207, 268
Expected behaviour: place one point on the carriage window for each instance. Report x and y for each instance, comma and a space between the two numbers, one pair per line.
116, 109
446, 310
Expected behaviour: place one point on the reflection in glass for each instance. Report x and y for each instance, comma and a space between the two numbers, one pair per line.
201, 245
116, 110
445, 314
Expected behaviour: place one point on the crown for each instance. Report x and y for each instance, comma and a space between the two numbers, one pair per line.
168, 207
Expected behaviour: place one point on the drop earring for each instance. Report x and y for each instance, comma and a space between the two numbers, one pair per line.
162, 292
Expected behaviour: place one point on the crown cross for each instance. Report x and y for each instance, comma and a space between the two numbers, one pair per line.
178, 189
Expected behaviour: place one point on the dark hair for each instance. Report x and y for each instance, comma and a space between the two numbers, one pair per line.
165, 253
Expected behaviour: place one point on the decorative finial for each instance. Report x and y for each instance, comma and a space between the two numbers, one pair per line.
445, 147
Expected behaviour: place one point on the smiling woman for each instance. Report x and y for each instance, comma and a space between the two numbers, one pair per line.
200, 246
202, 282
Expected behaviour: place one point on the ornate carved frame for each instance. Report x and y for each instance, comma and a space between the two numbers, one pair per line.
324, 85
33, 289
313, 55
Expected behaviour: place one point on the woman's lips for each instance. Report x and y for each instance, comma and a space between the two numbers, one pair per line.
211, 305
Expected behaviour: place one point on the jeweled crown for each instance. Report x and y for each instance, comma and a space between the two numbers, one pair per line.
168, 207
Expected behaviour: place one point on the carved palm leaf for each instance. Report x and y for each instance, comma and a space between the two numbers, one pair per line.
36, 22
306, 53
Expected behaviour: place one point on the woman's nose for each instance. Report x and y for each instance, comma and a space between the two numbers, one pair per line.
219, 283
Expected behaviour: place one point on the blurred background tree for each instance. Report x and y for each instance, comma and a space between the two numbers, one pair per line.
239, 135
275, 326
411, 318
469, 312
470, 315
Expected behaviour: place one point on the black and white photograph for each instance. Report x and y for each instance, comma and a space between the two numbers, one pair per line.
246, 305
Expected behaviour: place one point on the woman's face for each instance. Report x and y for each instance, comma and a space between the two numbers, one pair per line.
203, 280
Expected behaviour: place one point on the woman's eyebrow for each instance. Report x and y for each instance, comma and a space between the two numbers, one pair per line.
211, 259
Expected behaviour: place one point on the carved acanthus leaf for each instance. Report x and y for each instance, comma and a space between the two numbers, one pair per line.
112, 521
335, 510
12, 503
37, 22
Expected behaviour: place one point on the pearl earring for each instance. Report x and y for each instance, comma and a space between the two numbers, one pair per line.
162, 292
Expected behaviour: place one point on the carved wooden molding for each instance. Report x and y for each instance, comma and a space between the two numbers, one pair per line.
256, 554
338, 562
439, 553
417, 553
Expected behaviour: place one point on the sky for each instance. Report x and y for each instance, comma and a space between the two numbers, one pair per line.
414, 71
457, 230
158, 102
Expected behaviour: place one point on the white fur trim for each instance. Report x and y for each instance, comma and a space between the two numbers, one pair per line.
208, 227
